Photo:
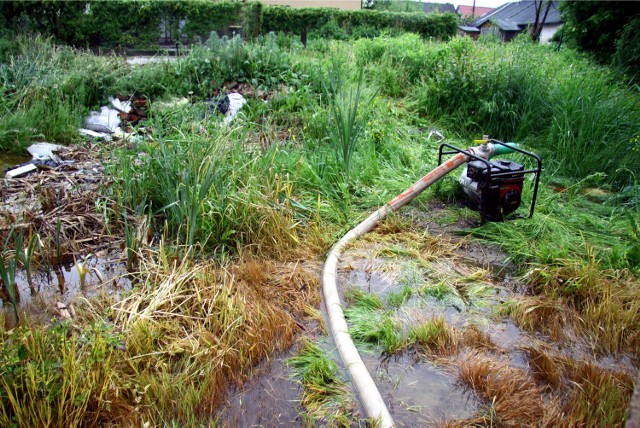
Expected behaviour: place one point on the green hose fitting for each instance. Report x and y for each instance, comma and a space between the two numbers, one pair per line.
499, 149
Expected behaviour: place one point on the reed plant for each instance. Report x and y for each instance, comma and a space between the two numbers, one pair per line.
8, 269
344, 126
26, 255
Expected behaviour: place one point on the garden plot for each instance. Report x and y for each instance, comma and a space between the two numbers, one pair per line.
439, 332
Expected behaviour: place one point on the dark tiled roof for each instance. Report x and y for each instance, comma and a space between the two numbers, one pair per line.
438, 7
520, 13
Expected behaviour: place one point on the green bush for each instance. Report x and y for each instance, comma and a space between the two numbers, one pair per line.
627, 55
279, 18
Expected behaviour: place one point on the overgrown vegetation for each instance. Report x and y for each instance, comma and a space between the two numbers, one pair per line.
616, 24
218, 221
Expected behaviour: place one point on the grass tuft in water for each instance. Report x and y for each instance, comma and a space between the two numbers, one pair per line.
325, 396
434, 337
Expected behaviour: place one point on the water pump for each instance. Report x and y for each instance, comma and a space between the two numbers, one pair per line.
494, 187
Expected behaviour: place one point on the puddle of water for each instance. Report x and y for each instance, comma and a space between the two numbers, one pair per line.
269, 399
370, 276
419, 394
9, 160
425, 394
63, 284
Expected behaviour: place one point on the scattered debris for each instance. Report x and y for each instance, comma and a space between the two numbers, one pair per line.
63, 311
43, 151
228, 105
107, 120
116, 122
134, 110
43, 157
62, 207
236, 101
121, 106
170, 104
96, 135
21, 170
433, 132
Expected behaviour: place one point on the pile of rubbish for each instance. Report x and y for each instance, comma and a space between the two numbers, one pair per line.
116, 121
124, 120
43, 156
228, 105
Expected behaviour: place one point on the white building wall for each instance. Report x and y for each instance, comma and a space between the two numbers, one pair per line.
548, 31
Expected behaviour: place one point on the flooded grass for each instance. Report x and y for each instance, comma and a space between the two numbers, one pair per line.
476, 329
325, 394
153, 280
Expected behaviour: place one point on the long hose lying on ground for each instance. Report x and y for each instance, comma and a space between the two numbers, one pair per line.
368, 393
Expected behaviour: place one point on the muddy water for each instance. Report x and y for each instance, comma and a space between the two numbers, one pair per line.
425, 391
419, 394
8, 161
419, 390
269, 399
63, 283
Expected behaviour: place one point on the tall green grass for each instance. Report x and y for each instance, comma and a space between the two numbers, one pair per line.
47, 89
581, 116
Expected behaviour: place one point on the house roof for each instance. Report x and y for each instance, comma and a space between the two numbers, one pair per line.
438, 8
518, 14
466, 11
469, 29
505, 25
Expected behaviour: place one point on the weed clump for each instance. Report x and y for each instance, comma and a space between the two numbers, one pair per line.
604, 300
597, 395
434, 337
371, 324
325, 395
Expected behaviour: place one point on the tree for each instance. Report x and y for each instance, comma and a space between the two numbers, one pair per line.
539, 21
595, 26
627, 55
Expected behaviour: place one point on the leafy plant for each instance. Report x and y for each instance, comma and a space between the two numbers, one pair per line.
344, 126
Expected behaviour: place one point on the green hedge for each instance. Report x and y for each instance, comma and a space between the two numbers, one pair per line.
136, 23
279, 18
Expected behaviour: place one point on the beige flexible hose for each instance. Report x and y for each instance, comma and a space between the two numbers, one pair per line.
368, 393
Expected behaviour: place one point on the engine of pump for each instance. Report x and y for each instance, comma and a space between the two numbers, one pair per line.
494, 188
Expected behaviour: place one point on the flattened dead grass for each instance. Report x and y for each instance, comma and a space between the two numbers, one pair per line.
544, 368
475, 338
590, 394
539, 313
597, 396
515, 399
196, 330
606, 301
